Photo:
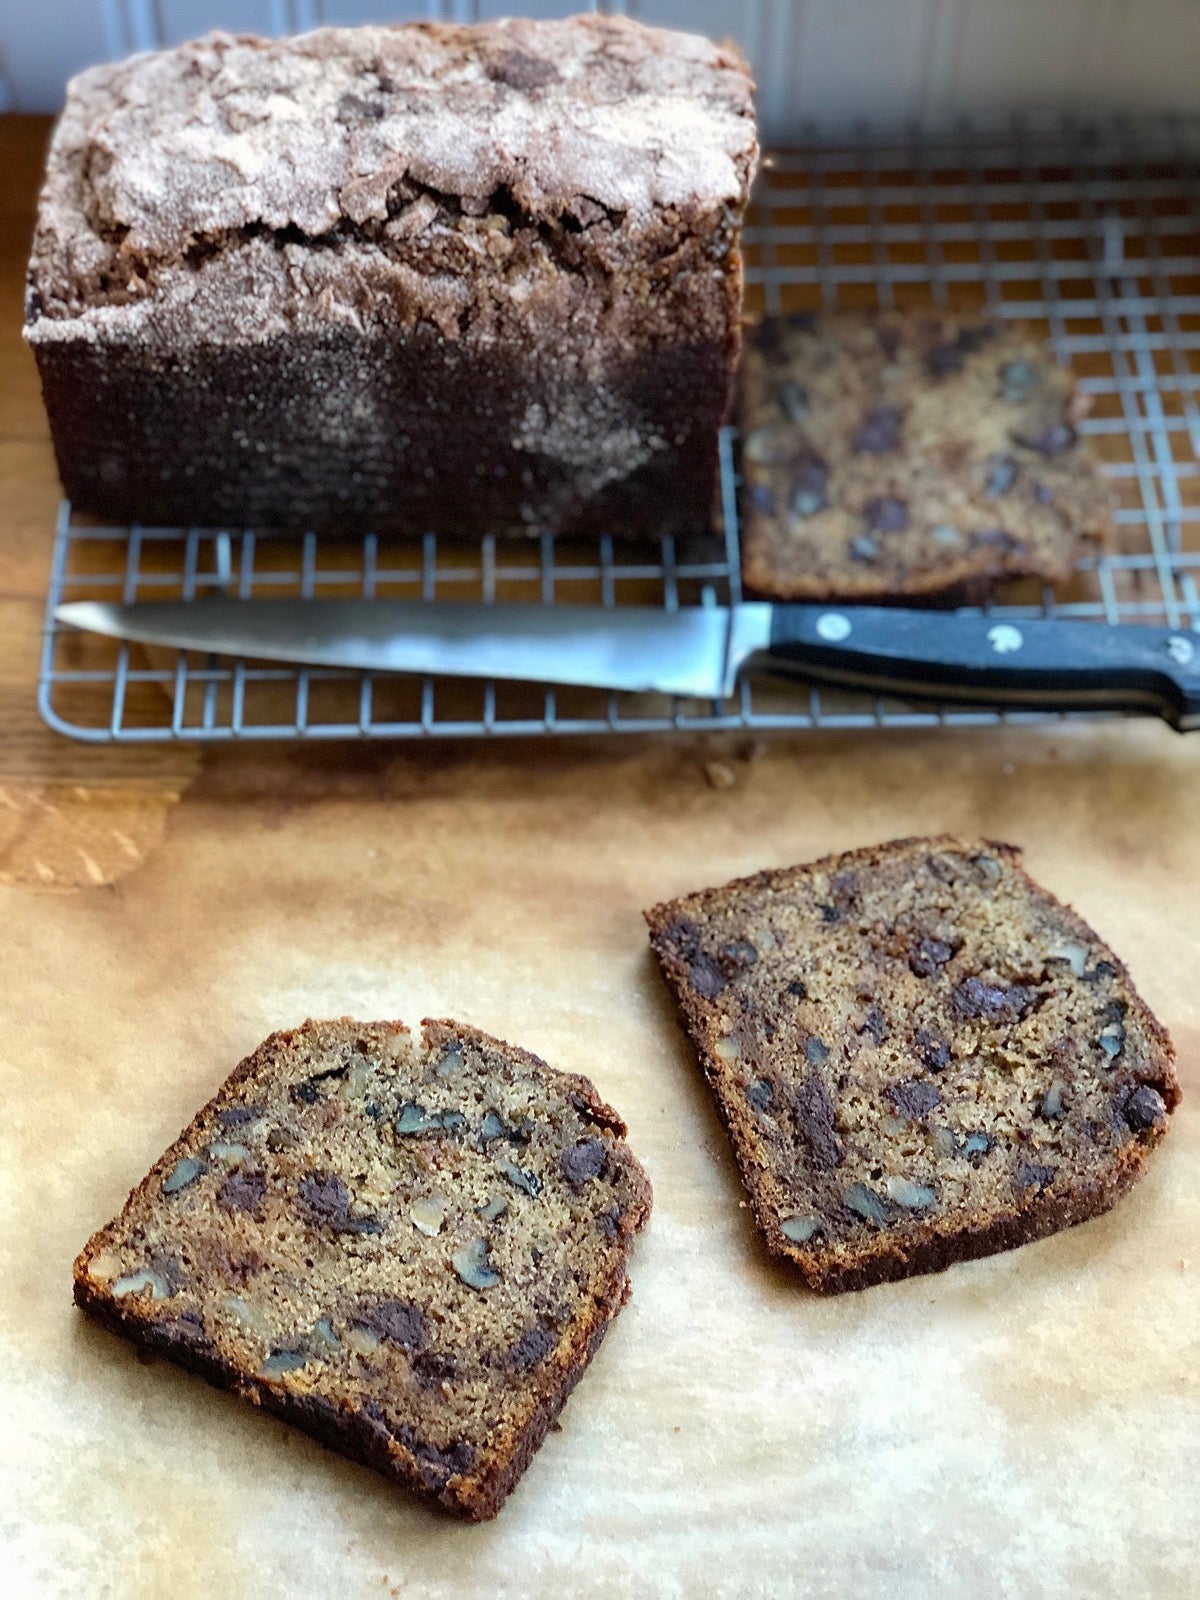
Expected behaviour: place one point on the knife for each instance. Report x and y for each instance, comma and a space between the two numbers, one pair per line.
696, 651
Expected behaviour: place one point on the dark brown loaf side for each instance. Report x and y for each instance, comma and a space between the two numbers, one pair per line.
909, 457
920, 1055
410, 1249
402, 278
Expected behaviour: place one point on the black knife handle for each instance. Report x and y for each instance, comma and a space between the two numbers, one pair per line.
1034, 661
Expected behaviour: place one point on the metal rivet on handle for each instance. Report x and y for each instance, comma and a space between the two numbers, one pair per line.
1004, 638
833, 626
1180, 650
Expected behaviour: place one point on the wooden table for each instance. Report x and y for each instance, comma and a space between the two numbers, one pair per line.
1026, 1425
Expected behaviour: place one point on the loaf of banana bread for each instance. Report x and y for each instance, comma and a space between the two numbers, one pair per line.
402, 278
920, 1055
409, 1248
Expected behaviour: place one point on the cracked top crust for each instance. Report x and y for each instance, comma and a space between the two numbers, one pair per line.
373, 140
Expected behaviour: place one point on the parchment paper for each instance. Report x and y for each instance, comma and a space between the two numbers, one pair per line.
1023, 1426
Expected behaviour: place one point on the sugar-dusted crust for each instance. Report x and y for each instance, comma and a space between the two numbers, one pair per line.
408, 277
314, 1263
920, 1055
911, 457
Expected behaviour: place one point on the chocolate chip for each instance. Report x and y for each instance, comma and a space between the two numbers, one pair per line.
793, 397
1102, 969
886, 514
706, 977
816, 1123
1002, 473
188, 1328
235, 1116
582, 1162
844, 887
991, 1002
517, 69
994, 539
1030, 1175
767, 335
874, 1023
434, 1367
1054, 441
929, 955
324, 1199
760, 1094
533, 1346
810, 481
880, 431
307, 1093
864, 548
816, 1051
364, 1224
397, 1322
914, 1098
435, 1464
1145, 1108
797, 988
944, 359
353, 108
977, 1144
932, 1050
242, 1191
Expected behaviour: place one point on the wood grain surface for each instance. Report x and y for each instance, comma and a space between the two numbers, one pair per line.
1023, 1426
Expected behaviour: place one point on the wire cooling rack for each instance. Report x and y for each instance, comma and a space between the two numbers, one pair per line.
1091, 234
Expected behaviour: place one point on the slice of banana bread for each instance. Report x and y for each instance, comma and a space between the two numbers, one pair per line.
409, 1249
910, 457
920, 1055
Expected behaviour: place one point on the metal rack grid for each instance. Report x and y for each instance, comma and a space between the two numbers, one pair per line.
1090, 233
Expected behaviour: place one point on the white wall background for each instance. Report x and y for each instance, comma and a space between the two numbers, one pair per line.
820, 63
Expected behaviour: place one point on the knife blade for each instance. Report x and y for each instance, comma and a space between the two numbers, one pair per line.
696, 651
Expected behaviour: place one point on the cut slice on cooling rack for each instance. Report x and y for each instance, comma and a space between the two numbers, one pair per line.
410, 1249
920, 1055
909, 457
